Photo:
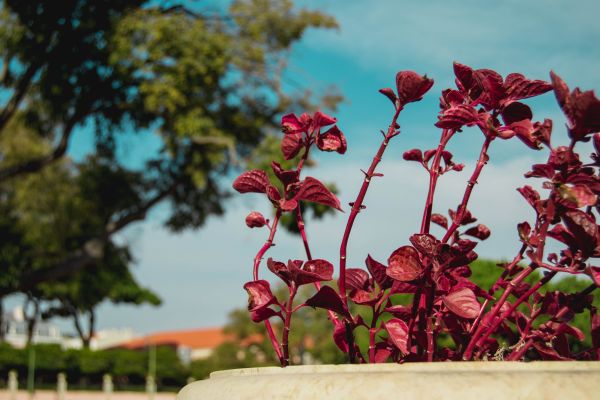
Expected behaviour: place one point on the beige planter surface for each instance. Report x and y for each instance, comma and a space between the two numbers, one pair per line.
414, 381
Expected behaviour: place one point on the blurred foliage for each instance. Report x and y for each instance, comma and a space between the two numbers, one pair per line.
210, 85
86, 367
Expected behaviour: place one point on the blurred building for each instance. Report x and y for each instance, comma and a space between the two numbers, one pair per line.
14, 328
192, 344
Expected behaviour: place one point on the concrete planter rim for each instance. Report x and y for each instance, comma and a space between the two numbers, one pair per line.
424, 367
468, 380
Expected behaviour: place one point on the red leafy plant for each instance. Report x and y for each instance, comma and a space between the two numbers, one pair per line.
514, 320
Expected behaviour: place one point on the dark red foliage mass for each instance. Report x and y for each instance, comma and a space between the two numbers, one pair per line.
514, 319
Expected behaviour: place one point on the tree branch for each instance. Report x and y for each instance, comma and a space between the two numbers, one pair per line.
90, 252
21, 89
37, 164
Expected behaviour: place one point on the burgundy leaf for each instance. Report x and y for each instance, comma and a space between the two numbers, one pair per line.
464, 77
398, 331
339, 337
378, 272
254, 181
332, 140
255, 220
285, 176
291, 124
411, 86
583, 227
594, 273
320, 120
363, 297
530, 194
382, 353
259, 293
328, 299
357, 278
578, 195
313, 271
480, 231
288, 205
424, 243
515, 112
400, 311
595, 323
291, 145
463, 303
413, 155
440, 220
540, 171
428, 154
404, 264
457, 117
451, 98
273, 193
261, 314
403, 287
279, 269
518, 87
313, 190
389, 93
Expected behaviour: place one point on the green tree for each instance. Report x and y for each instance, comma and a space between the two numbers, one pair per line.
210, 85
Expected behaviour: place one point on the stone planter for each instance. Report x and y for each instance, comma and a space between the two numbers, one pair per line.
414, 381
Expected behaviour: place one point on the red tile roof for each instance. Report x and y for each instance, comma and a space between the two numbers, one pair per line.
192, 338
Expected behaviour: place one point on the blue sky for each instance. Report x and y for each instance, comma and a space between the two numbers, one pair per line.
200, 274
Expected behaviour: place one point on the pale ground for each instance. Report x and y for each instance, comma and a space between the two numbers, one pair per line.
76, 395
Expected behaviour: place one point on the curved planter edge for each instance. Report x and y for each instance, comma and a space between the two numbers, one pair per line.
412, 381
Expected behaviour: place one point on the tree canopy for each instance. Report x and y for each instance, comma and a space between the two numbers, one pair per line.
209, 84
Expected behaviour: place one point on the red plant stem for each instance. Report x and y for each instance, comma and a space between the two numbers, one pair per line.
495, 310
429, 328
257, 260
517, 355
356, 207
507, 269
483, 157
434, 173
516, 304
286, 325
300, 223
413, 313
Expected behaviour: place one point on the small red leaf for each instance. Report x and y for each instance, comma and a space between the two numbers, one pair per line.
456, 117
254, 181
313, 190
259, 293
378, 273
518, 87
357, 278
411, 86
261, 314
279, 269
404, 264
463, 303
398, 331
328, 299
480, 231
389, 93
413, 155
313, 271
425, 243
291, 145
332, 140
339, 337
440, 220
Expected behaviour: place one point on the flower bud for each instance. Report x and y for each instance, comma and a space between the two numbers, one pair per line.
255, 220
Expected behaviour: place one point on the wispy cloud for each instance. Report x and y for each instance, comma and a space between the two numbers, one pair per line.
533, 36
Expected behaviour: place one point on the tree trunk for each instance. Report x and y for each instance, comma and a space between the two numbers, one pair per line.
2, 322
31, 319
91, 329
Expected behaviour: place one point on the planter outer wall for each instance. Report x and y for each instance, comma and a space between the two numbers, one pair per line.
415, 381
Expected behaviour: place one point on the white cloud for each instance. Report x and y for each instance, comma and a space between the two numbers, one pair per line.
532, 37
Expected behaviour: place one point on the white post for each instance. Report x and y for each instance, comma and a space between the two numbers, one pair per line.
150, 387
61, 386
107, 386
13, 384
